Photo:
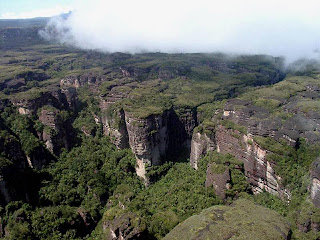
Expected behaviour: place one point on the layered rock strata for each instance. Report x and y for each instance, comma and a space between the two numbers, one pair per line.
201, 144
257, 168
148, 139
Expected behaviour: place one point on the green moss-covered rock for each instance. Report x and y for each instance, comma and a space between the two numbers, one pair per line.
122, 224
241, 220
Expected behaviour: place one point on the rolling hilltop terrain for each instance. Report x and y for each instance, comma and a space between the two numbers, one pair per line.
154, 145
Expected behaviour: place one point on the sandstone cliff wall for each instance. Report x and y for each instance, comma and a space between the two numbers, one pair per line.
258, 169
148, 139
315, 183
152, 138
219, 181
201, 144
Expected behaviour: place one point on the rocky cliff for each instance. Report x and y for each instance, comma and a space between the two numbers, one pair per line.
257, 131
151, 138
148, 139
57, 133
114, 126
126, 225
13, 163
259, 170
203, 141
220, 180
315, 183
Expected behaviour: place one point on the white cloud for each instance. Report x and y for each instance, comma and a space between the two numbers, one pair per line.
289, 28
46, 12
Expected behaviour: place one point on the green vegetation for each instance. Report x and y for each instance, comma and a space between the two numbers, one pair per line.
274, 97
92, 184
272, 145
88, 177
181, 190
207, 127
232, 125
22, 126
218, 168
85, 122
298, 212
156, 81
283, 90
241, 220
220, 163
294, 166
309, 105
81, 182
146, 105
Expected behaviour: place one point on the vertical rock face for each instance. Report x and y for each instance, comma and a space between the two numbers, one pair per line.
115, 127
11, 169
148, 139
56, 134
71, 81
201, 144
60, 99
259, 171
181, 125
125, 226
188, 120
219, 181
315, 183
64, 99
69, 98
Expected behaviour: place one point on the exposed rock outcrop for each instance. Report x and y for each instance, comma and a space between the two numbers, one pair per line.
315, 183
241, 122
124, 226
241, 220
258, 169
114, 126
56, 134
201, 144
308, 218
148, 139
219, 181
57, 99
298, 123
151, 138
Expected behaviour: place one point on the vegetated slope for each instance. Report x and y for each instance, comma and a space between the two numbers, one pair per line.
18, 33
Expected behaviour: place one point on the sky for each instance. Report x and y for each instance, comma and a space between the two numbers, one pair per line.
275, 27
11, 9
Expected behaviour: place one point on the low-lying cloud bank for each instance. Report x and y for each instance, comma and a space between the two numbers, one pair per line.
279, 28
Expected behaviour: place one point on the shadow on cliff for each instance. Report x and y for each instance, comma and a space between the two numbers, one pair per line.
179, 141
